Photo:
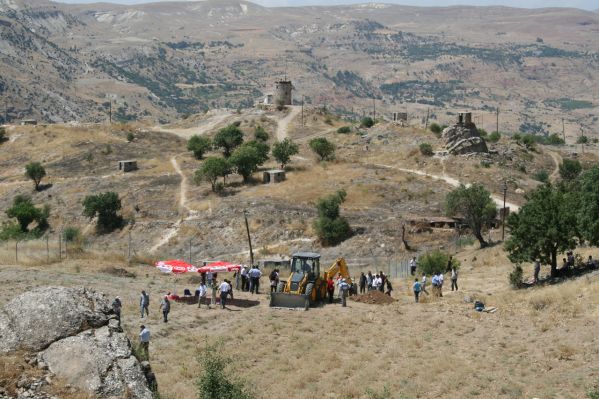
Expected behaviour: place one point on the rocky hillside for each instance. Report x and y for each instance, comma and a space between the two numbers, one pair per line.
161, 61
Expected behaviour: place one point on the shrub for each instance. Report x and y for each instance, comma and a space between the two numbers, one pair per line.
130, 137
541, 175
199, 145
323, 148
3, 135
494, 137
36, 172
105, 206
328, 120
582, 140
71, 234
435, 128
367, 122
485, 163
214, 381
554, 139
570, 169
344, 129
260, 134
426, 149
515, 277
482, 133
435, 262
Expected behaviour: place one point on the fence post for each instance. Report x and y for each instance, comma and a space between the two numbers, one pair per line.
47, 248
59, 246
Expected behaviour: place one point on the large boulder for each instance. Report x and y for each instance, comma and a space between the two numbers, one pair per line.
35, 319
463, 139
98, 361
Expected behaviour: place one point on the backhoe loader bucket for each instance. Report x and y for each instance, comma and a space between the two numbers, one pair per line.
285, 300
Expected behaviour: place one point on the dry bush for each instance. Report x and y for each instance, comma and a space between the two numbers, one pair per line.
565, 352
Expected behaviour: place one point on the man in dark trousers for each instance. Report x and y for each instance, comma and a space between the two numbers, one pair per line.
116, 308
165, 305
362, 283
144, 304
144, 340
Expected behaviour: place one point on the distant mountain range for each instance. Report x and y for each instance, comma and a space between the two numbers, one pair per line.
161, 61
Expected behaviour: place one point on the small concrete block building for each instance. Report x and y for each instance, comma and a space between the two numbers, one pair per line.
127, 166
273, 176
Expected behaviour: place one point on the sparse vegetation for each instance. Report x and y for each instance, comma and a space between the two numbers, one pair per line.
323, 148
245, 160
260, 134
199, 145
3, 137
494, 137
541, 175
570, 169
435, 261
515, 276
426, 149
367, 122
554, 139
474, 203
130, 137
344, 129
330, 226
284, 150
106, 207
26, 213
36, 172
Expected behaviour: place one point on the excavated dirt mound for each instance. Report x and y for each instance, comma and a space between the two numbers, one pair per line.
373, 298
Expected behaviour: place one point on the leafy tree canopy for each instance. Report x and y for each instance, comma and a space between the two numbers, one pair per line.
323, 148
199, 145
228, 138
105, 206
36, 172
284, 150
212, 168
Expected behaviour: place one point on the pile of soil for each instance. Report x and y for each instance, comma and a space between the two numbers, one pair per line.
373, 298
116, 271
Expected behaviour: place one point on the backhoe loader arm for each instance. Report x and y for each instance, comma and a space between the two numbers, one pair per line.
340, 266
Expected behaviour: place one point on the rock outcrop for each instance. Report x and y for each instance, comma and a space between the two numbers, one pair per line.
463, 139
77, 339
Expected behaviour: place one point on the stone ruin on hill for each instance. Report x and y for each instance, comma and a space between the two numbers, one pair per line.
463, 137
71, 334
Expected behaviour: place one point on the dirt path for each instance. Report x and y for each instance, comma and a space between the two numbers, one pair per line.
452, 182
204, 127
283, 124
557, 160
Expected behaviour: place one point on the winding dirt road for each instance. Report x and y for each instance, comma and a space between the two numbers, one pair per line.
283, 124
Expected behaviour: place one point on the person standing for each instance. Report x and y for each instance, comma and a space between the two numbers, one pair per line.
244, 279
362, 283
389, 287
116, 308
343, 289
435, 284
423, 284
144, 304
202, 295
274, 280
255, 275
144, 340
165, 305
209, 279
440, 278
382, 281
449, 263
537, 269
369, 280
330, 288
413, 266
224, 292
454, 278
416, 288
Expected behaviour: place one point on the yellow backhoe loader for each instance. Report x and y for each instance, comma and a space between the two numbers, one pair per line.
305, 285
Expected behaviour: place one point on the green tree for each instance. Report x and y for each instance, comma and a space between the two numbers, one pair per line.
284, 150
426, 149
228, 138
26, 213
262, 148
588, 206
582, 140
130, 137
246, 160
544, 226
260, 134
105, 206
367, 122
323, 148
554, 139
330, 227
474, 203
570, 169
212, 168
36, 172
435, 128
344, 129
214, 381
199, 145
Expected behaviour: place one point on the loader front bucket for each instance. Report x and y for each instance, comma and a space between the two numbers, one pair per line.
284, 300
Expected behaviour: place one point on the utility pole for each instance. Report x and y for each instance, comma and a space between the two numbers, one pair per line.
60, 245
428, 110
564, 130
503, 213
129, 248
190, 251
110, 112
302, 110
247, 228
5, 108
374, 109
47, 248
498, 120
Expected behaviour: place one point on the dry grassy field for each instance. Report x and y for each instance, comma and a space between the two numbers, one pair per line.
541, 343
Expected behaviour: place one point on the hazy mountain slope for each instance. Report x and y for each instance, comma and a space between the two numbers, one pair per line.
163, 59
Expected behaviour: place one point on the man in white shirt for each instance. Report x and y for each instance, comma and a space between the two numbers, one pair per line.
202, 295
224, 289
144, 339
245, 286
440, 277
413, 266
423, 284
255, 275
